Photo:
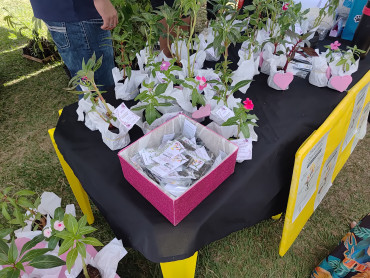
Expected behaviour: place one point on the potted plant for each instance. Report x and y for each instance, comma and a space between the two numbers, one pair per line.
18, 208
99, 114
341, 65
73, 233
38, 48
13, 261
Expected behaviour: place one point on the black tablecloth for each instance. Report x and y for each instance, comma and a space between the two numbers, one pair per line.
258, 189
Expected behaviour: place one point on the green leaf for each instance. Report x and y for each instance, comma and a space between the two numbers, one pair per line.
53, 241
46, 261
24, 202
71, 259
7, 190
245, 130
5, 271
25, 193
12, 252
59, 214
64, 235
3, 259
71, 223
231, 121
82, 223
4, 248
92, 241
13, 273
32, 243
81, 248
5, 212
86, 230
151, 114
252, 117
20, 266
5, 232
160, 89
66, 245
141, 107
30, 255
240, 84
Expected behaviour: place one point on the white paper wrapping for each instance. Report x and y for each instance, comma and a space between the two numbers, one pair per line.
108, 257
318, 76
245, 71
269, 58
129, 89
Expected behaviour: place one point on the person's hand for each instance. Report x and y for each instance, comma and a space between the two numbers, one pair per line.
108, 13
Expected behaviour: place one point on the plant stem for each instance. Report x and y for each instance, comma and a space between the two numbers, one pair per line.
291, 53
109, 112
84, 268
192, 28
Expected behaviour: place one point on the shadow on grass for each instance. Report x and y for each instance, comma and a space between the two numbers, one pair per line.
7, 42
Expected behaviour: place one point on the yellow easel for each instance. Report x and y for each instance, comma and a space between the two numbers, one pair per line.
332, 143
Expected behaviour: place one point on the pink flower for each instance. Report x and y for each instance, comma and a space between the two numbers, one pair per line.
248, 104
335, 45
165, 65
47, 232
285, 6
202, 82
59, 225
84, 78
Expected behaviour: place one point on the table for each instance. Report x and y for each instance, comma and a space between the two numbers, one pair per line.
256, 191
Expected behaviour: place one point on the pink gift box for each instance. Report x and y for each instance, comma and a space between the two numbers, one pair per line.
176, 209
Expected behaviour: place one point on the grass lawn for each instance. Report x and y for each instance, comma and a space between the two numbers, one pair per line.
31, 95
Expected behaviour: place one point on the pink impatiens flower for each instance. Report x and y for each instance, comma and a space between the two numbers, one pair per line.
59, 225
335, 45
165, 65
248, 104
202, 82
47, 232
285, 6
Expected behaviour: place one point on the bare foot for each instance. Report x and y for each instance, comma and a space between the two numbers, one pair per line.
353, 224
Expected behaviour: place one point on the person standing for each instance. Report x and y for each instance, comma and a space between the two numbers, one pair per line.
79, 28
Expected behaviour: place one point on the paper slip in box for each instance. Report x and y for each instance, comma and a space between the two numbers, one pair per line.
176, 209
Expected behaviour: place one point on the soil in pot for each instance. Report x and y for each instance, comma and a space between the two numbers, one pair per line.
39, 224
113, 129
33, 49
123, 79
92, 271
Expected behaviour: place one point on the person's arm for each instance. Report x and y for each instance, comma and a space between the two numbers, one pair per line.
108, 13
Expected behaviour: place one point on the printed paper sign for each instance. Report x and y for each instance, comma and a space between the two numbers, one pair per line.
174, 149
359, 103
202, 153
224, 113
125, 116
310, 170
245, 149
168, 137
361, 129
189, 129
196, 163
326, 176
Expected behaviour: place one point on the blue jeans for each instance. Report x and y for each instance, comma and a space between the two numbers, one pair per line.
79, 40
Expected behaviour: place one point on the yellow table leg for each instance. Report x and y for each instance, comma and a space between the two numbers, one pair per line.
74, 183
180, 269
277, 216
